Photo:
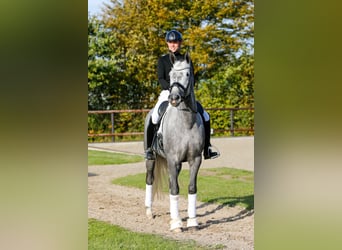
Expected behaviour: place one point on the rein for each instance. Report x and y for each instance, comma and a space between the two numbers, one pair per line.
180, 86
185, 92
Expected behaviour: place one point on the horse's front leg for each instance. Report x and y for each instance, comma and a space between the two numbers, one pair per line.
149, 182
192, 192
176, 222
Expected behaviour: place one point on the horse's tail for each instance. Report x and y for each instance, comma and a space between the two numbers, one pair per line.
160, 176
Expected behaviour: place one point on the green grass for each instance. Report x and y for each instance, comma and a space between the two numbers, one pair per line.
107, 158
104, 236
225, 186
220, 185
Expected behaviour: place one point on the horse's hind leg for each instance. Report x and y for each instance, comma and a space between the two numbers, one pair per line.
192, 192
149, 181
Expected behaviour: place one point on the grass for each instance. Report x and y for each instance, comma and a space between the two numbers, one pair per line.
102, 235
107, 158
220, 185
225, 186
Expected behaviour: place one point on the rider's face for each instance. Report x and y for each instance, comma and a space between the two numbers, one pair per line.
174, 46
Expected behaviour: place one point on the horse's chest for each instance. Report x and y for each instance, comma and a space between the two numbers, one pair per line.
182, 133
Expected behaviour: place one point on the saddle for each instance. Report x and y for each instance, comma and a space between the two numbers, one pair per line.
157, 142
157, 139
161, 111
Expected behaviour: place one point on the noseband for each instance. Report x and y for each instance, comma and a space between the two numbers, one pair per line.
180, 86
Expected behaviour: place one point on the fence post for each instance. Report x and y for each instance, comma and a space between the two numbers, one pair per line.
112, 120
232, 122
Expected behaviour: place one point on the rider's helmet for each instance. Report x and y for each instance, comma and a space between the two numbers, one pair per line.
173, 36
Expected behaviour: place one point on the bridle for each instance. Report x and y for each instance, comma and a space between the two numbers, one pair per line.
185, 90
180, 86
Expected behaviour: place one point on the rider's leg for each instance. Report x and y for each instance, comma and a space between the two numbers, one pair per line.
208, 152
148, 137
150, 123
162, 97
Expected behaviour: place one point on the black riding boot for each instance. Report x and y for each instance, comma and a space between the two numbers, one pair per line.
208, 153
148, 139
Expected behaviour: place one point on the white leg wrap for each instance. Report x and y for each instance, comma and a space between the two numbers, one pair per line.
176, 222
149, 213
192, 205
148, 196
174, 206
176, 225
192, 222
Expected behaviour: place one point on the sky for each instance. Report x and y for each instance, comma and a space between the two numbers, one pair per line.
94, 6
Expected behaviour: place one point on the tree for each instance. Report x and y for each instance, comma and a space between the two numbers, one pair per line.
103, 65
125, 44
108, 82
214, 31
231, 87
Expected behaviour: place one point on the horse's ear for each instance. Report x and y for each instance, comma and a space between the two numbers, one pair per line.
187, 57
172, 58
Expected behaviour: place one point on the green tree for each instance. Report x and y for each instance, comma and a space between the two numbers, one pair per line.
108, 81
124, 46
103, 66
214, 31
231, 87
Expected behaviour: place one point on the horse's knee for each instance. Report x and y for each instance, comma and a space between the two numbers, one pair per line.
149, 171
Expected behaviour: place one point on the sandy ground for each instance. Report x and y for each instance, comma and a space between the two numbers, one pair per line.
231, 227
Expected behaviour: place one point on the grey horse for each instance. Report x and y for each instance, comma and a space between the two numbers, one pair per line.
182, 135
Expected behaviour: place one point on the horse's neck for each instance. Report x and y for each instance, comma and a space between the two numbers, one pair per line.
191, 100
185, 113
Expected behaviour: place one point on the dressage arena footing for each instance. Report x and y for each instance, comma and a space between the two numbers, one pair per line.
236, 152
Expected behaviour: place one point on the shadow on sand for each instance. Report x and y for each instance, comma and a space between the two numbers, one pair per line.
233, 201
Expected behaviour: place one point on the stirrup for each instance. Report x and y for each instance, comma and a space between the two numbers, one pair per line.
211, 154
149, 155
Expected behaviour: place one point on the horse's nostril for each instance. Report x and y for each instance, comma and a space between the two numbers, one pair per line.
174, 97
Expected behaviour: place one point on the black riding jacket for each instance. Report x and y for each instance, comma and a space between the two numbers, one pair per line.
164, 68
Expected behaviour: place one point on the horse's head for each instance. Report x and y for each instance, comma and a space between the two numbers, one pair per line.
181, 79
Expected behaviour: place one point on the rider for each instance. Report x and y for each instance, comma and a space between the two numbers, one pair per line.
174, 40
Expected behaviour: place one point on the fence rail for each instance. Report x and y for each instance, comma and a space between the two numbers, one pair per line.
231, 129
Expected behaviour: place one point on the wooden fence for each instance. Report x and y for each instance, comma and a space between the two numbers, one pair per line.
231, 129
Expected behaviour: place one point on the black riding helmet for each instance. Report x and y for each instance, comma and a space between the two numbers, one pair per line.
173, 36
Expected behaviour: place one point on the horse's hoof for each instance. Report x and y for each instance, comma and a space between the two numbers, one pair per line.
192, 222
149, 213
176, 225
177, 230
